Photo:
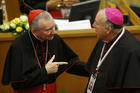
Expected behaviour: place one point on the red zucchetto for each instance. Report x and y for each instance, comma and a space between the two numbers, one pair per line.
33, 14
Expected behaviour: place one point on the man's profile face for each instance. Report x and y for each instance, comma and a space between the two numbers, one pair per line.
47, 30
100, 26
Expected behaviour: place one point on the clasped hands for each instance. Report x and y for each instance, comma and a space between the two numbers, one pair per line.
56, 4
52, 67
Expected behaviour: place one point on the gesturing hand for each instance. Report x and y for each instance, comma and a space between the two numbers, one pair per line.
52, 67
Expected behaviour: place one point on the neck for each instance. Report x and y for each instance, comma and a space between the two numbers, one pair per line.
110, 39
112, 36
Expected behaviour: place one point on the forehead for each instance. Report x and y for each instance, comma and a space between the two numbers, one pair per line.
100, 17
46, 22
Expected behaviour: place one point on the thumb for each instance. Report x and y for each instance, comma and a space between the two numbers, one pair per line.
51, 60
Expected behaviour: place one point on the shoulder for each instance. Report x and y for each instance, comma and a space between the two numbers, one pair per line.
20, 40
129, 42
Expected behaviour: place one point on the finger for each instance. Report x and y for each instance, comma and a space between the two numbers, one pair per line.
61, 63
51, 60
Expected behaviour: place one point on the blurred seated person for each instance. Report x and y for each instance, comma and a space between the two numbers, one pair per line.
57, 8
23, 8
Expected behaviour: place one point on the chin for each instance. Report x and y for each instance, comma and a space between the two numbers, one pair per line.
50, 38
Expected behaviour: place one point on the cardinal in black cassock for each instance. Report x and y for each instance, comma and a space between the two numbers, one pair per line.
26, 59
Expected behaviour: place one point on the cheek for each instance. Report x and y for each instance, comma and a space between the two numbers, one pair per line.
99, 32
43, 35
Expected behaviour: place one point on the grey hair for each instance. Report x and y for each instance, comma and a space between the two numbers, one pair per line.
43, 15
107, 23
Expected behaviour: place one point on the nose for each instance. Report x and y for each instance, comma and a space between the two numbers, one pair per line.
94, 25
53, 31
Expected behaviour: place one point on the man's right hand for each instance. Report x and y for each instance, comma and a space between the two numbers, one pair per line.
52, 67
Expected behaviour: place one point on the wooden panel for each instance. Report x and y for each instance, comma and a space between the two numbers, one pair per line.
12, 9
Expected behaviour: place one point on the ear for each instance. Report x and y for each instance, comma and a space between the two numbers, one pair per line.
33, 31
109, 29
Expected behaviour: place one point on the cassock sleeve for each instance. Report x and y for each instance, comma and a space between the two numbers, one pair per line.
79, 69
64, 53
37, 77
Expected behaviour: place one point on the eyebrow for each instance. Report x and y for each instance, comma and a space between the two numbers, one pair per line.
49, 28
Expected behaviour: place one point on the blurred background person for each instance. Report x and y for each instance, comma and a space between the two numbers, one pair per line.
57, 8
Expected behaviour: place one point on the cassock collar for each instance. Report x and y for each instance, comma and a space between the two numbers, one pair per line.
35, 40
112, 41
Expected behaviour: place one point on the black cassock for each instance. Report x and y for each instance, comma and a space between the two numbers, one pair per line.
119, 72
22, 69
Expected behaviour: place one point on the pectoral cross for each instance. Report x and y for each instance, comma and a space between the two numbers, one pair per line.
44, 87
